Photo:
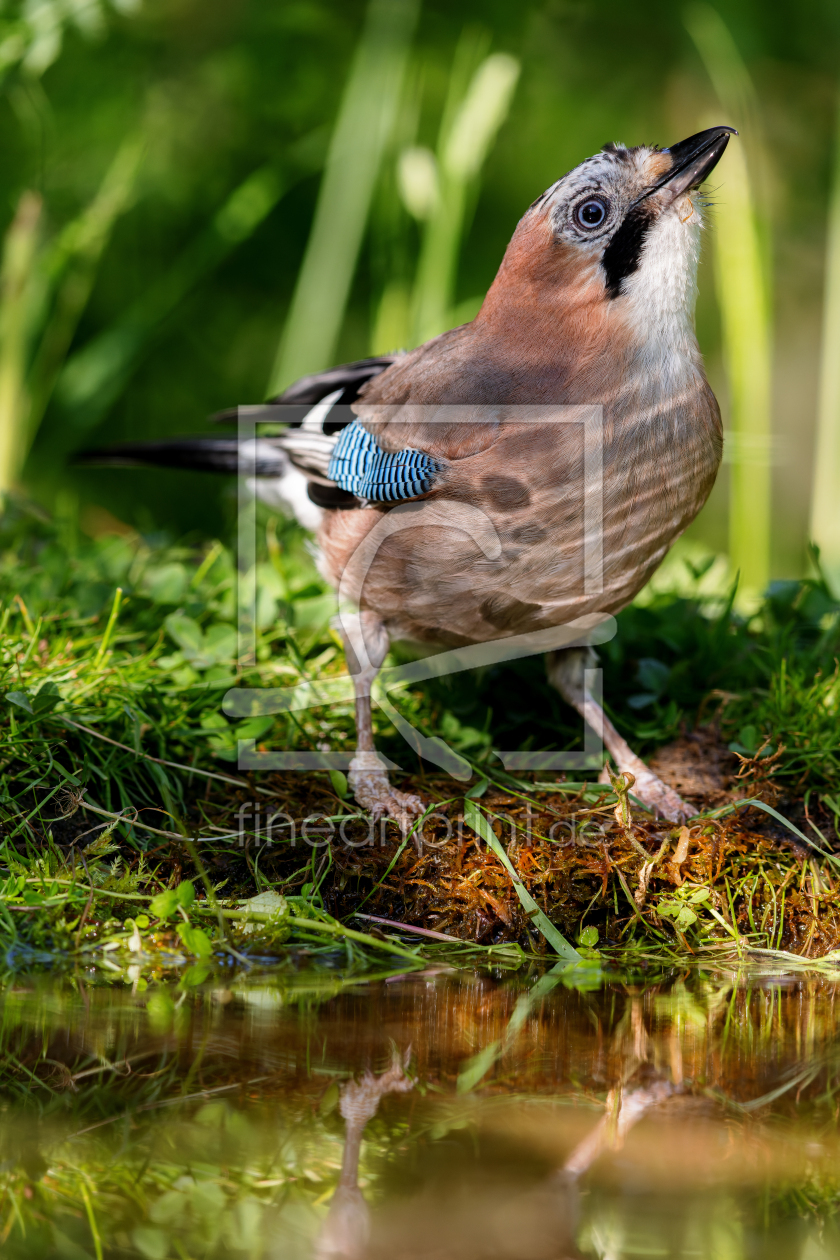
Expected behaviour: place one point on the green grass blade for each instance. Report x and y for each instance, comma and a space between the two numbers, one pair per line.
462, 150
16, 282
825, 516
71, 264
109, 629
476, 821
366, 117
774, 813
746, 336
93, 377
743, 290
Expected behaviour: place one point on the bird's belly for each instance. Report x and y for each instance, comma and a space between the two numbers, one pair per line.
517, 547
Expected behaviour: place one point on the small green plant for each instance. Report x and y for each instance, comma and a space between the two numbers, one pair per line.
681, 906
167, 904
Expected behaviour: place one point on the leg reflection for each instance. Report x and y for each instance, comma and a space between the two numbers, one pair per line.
346, 1231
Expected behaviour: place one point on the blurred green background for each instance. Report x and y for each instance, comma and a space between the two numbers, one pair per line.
162, 164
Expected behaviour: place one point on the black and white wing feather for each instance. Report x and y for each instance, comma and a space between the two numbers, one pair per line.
323, 443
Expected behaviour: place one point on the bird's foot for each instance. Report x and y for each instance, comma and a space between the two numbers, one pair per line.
655, 795
360, 1098
661, 799
371, 787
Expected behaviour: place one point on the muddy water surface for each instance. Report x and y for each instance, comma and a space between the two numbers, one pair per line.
444, 1113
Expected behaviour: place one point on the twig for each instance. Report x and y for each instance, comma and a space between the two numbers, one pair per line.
211, 897
176, 765
133, 822
317, 925
408, 927
166, 1102
86, 910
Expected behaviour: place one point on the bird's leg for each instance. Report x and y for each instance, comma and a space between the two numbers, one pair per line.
566, 672
366, 645
345, 1233
622, 1113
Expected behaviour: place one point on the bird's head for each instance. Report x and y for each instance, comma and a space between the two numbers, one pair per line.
624, 211
615, 241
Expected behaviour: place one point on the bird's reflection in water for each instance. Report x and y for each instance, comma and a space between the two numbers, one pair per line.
346, 1231
537, 1224
500, 1141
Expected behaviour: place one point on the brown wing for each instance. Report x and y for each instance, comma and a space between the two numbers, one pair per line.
434, 399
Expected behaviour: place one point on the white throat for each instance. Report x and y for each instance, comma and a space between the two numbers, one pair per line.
662, 294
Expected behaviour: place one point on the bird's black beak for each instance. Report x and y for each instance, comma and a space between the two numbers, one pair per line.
693, 160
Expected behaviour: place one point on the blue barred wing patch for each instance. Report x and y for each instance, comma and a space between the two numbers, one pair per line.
361, 467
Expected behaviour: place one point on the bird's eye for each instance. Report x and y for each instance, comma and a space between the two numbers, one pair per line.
591, 213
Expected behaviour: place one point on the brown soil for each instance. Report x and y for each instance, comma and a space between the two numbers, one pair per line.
579, 862
700, 768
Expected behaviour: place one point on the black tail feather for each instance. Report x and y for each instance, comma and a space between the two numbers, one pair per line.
264, 456
199, 454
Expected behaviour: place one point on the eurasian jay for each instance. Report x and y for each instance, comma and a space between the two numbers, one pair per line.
593, 305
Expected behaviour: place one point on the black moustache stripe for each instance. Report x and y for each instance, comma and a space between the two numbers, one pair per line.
621, 257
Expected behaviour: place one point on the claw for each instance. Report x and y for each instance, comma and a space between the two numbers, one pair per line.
372, 789
658, 797
360, 1098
